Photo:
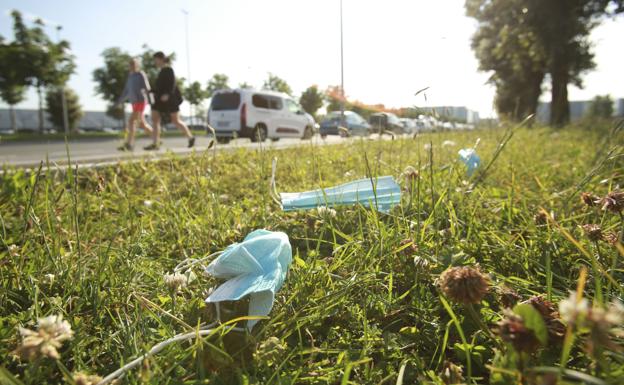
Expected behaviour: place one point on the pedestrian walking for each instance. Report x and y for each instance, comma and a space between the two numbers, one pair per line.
137, 92
167, 100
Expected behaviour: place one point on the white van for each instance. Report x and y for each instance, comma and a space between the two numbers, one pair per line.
258, 115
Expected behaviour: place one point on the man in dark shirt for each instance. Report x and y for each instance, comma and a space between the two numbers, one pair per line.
167, 100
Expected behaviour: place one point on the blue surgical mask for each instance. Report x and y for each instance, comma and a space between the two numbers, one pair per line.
256, 268
381, 193
471, 160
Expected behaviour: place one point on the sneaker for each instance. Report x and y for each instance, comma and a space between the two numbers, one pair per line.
191, 142
152, 147
126, 147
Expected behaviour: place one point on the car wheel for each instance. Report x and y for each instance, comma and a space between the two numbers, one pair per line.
259, 133
274, 139
307, 133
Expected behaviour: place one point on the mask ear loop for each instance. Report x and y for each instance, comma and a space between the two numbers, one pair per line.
272, 186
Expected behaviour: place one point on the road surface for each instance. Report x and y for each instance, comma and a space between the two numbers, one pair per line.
95, 151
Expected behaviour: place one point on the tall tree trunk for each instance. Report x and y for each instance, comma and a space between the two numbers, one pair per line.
13, 117
559, 106
41, 126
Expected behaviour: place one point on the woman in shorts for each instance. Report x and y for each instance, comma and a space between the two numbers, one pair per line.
137, 92
167, 102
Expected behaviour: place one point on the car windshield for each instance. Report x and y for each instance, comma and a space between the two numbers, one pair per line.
393, 119
225, 101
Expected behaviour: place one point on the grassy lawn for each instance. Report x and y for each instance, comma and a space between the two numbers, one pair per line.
365, 300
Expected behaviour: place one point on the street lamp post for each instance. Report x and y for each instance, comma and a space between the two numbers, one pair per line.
63, 100
188, 57
342, 91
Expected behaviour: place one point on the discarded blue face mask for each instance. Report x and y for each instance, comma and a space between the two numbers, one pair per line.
256, 267
471, 160
381, 193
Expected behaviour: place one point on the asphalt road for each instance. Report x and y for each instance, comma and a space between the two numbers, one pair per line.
95, 151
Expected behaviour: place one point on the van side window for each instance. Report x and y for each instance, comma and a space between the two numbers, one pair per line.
292, 106
260, 101
275, 103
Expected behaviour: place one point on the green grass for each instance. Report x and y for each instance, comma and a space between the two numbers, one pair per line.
355, 308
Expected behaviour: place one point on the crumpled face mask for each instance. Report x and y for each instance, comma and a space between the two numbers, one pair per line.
256, 267
471, 160
381, 193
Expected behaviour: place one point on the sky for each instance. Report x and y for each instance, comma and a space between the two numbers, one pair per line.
392, 48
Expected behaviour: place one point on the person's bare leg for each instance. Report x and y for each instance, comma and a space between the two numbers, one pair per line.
144, 125
175, 119
156, 128
131, 128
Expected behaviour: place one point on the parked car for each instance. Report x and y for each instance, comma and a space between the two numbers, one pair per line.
409, 125
353, 122
386, 121
258, 115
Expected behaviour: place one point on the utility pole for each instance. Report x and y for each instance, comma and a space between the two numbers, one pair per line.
342, 91
63, 100
188, 58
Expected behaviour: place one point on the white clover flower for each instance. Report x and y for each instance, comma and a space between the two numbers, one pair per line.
148, 203
448, 143
13, 251
86, 379
176, 281
427, 146
50, 334
326, 212
615, 314
49, 279
571, 309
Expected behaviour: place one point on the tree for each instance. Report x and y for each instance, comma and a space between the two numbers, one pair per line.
506, 45
12, 79
54, 107
244, 85
311, 100
275, 83
601, 107
111, 79
523, 40
45, 63
217, 82
194, 94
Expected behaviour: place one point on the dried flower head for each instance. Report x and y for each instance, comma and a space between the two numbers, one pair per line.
611, 238
592, 232
176, 281
464, 284
50, 334
512, 329
573, 310
326, 212
452, 374
590, 199
411, 176
541, 218
613, 201
86, 379
408, 247
550, 315
508, 297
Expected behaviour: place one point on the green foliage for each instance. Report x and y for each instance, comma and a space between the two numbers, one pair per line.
311, 100
194, 93
275, 83
356, 307
522, 40
245, 85
601, 107
217, 82
533, 321
54, 107
111, 79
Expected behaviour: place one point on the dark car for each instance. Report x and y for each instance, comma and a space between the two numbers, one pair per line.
386, 121
354, 123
